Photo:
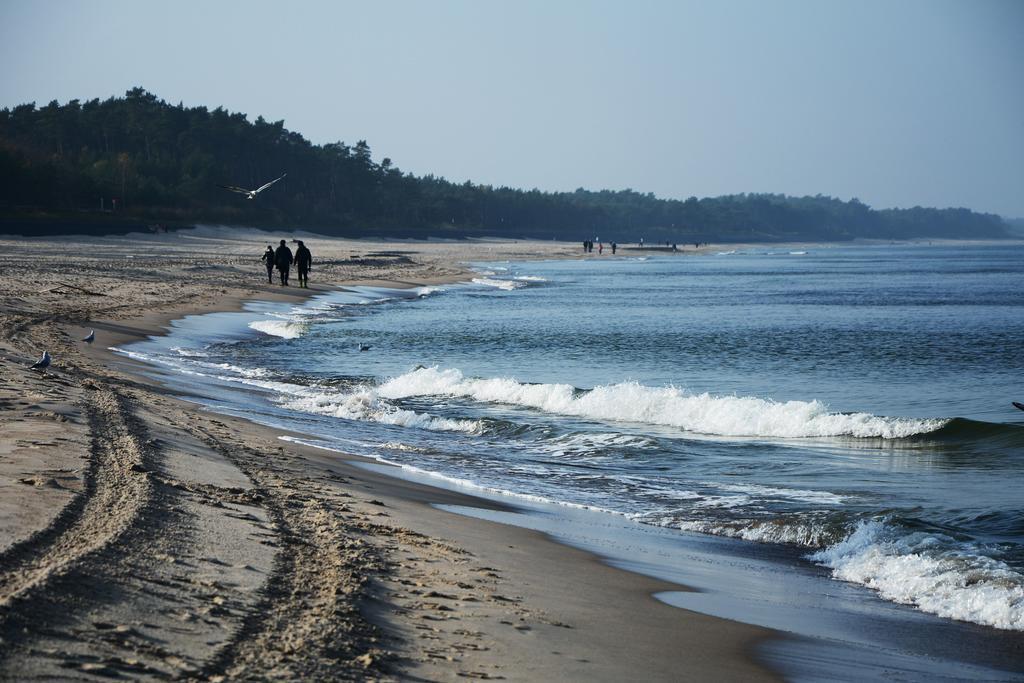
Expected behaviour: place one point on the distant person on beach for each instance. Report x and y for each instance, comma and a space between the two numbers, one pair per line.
304, 262
268, 261
600, 248
283, 260
614, 247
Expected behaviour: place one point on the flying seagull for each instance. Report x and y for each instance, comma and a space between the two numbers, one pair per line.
251, 194
90, 338
42, 363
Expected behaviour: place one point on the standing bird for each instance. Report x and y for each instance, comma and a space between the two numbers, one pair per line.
90, 338
251, 194
42, 363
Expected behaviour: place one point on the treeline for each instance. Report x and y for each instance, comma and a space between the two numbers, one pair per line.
140, 159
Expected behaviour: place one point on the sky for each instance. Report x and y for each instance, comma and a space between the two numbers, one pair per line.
915, 102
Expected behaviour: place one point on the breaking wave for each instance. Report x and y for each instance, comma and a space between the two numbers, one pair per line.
286, 329
930, 571
926, 569
507, 285
707, 414
360, 403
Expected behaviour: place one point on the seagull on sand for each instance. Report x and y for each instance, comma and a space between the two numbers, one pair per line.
90, 338
251, 194
42, 363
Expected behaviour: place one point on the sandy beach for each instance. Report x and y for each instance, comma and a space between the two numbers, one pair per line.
145, 538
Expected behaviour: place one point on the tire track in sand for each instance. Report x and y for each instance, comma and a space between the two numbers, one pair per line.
308, 625
116, 489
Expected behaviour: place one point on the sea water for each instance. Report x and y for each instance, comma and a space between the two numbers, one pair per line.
851, 403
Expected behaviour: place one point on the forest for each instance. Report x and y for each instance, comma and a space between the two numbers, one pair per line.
124, 162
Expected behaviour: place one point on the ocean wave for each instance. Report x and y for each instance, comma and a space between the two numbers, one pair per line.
188, 352
507, 285
287, 329
664, 406
812, 532
159, 359
237, 370
530, 278
366, 406
452, 479
931, 572
802, 495
583, 443
361, 403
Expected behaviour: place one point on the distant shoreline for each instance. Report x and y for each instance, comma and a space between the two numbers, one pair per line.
79, 224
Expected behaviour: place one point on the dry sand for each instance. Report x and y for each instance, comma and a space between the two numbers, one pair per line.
144, 538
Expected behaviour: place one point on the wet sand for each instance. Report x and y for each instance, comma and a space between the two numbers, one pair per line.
145, 538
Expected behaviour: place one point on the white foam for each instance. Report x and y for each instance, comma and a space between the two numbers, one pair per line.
189, 353
664, 406
399, 446
531, 278
244, 372
803, 495
723, 502
507, 285
365, 405
798, 253
287, 329
362, 403
585, 443
930, 572
159, 359
808, 534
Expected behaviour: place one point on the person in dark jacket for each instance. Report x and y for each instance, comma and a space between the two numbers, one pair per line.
283, 260
268, 261
304, 262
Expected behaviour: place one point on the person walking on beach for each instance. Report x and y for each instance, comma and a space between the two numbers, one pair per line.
304, 262
283, 260
268, 261
614, 247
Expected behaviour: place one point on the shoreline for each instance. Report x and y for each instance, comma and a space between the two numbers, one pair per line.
491, 600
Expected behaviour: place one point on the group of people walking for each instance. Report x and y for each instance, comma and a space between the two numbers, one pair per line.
282, 259
588, 247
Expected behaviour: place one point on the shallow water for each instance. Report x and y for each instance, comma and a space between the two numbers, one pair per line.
850, 402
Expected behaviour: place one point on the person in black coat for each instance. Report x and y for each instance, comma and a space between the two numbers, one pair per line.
268, 261
304, 262
283, 260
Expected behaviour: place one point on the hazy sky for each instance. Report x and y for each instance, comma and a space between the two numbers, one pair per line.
895, 102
